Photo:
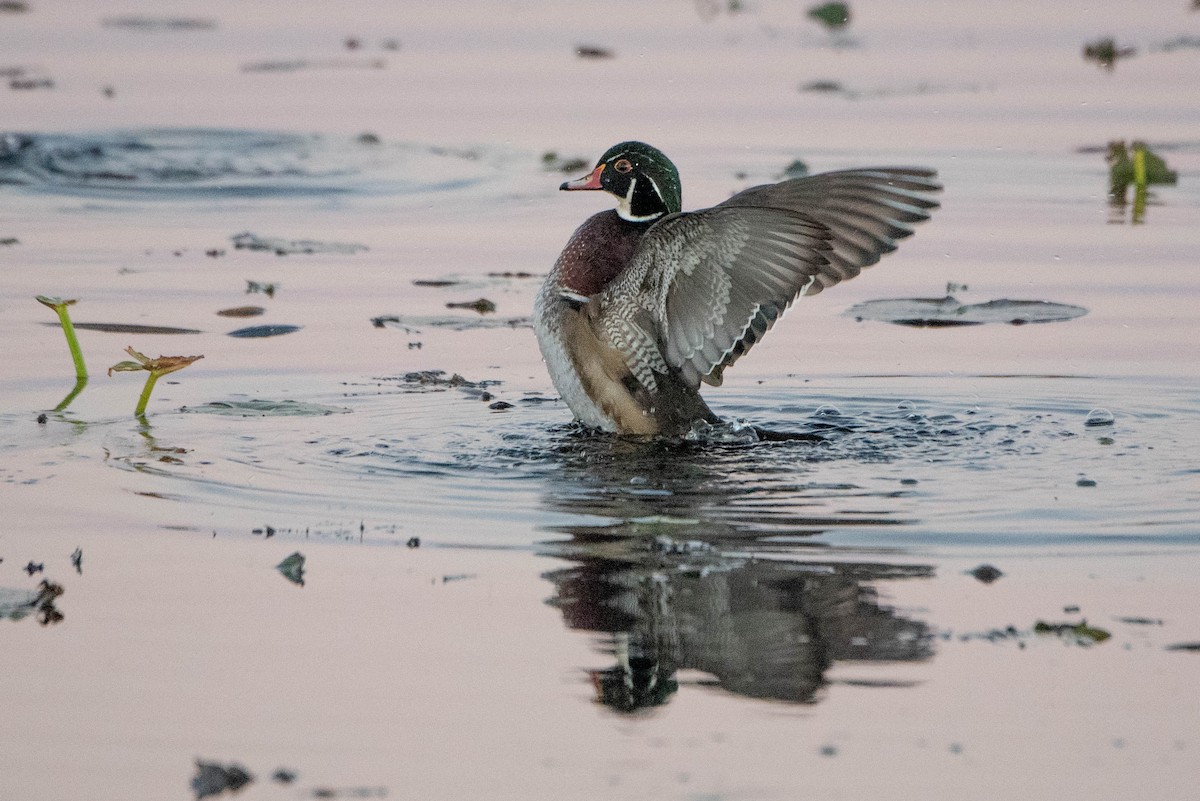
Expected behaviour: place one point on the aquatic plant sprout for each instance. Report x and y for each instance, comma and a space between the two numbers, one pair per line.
64, 317
156, 367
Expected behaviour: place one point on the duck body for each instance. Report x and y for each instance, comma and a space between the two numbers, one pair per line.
645, 302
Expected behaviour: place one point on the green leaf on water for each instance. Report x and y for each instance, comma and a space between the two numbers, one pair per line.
292, 568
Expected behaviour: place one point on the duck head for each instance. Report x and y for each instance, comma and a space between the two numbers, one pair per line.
642, 177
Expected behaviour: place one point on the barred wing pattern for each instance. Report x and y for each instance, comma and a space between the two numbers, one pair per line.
866, 211
703, 287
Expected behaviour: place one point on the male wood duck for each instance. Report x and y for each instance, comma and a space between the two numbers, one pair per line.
646, 302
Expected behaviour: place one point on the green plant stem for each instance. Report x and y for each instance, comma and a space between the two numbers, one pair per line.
80, 383
1139, 167
140, 411
64, 317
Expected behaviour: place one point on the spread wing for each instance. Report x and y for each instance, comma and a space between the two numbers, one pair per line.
865, 210
704, 287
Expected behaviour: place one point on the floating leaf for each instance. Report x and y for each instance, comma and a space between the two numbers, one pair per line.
214, 779
831, 15
1081, 632
55, 302
292, 568
162, 365
260, 331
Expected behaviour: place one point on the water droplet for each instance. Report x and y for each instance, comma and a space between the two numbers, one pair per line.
1085, 482
1099, 417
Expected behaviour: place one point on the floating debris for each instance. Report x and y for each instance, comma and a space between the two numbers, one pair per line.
797, 169
949, 311
26, 83
413, 542
499, 406
242, 311
552, 162
292, 568
283, 776
77, 560
266, 408
481, 305
9, 240
1180, 43
593, 51
19, 604
259, 288
35, 567
13, 7
1085, 482
413, 325
213, 779
286, 247
1105, 52
517, 274
986, 573
295, 65
1193, 647
1079, 633
824, 87
833, 16
261, 331
437, 379
133, 328
831, 87
435, 282
160, 23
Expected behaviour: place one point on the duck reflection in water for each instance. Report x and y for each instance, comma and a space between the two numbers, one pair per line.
666, 567
761, 628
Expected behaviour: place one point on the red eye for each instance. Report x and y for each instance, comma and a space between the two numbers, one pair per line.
623, 166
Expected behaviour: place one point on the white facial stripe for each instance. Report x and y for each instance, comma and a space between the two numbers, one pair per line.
657, 191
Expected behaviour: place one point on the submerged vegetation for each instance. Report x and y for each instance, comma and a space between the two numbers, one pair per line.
1139, 166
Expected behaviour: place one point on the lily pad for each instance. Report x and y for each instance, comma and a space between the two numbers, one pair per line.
949, 311
266, 408
260, 331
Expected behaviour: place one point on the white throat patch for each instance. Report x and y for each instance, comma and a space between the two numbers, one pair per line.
625, 206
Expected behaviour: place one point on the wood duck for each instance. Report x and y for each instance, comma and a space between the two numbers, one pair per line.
646, 301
